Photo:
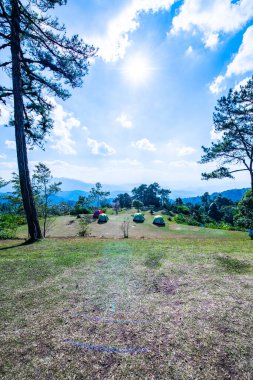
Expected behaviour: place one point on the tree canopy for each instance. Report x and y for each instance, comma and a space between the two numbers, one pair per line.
40, 61
49, 60
98, 195
44, 189
233, 122
151, 195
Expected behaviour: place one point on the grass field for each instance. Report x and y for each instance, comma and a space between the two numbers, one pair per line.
68, 226
88, 308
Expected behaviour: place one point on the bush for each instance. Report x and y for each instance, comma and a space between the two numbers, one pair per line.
181, 219
9, 224
84, 210
193, 222
183, 209
244, 217
223, 226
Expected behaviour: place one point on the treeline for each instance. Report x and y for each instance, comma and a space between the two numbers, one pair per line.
218, 212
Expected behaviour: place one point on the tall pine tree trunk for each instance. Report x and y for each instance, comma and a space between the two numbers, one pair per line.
251, 173
25, 183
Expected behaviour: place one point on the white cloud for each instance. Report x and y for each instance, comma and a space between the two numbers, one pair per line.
124, 121
61, 137
4, 115
10, 144
218, 85
157, 162
183, 164
100, 148
186, 151
143, 144
127, 161
241, 83
189, 51
2, 156
212, 18
113, 45
85, 129
8, 165
179, 149
211, 40
242, 62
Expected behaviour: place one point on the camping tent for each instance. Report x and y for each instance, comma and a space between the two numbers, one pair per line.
138, 218
103, 218
158, 220
97, 213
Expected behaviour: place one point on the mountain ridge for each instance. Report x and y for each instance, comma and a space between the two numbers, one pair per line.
71, 195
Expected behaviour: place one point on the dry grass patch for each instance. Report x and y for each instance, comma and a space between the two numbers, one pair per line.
106, 309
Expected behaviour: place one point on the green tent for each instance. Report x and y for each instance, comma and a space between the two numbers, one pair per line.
158, 220
138, 218
103, 218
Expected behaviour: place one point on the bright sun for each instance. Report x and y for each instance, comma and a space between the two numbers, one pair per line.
137, 70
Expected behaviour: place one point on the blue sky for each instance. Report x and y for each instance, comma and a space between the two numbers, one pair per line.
146, 106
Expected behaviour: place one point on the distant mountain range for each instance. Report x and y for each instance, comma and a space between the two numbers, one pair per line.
234, 195
70, 194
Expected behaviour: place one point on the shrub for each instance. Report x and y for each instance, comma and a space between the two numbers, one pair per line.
193, 222
84, 210
9, 224
181, 219
84, 226
183, 209
244, 218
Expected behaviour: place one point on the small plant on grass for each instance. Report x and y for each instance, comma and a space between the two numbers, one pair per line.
125, 228
84, 226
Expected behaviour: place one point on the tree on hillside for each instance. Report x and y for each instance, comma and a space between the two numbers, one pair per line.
179, 201
97, 195
233, 120
244, 217
139, 193
151, 195
214, 212
206, 200
3, 182
124, 200
43, 190
81, 204
40, 59
164, 196
137, 204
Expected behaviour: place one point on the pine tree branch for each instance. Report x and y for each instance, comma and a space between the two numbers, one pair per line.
5, 14
5, 64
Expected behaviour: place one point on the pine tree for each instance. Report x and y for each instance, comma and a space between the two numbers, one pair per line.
44, 188
233, 120
42, 60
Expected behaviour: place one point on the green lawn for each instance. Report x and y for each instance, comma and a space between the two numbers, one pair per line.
127, 309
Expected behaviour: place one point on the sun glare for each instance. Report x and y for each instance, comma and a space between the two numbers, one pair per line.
137, 70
